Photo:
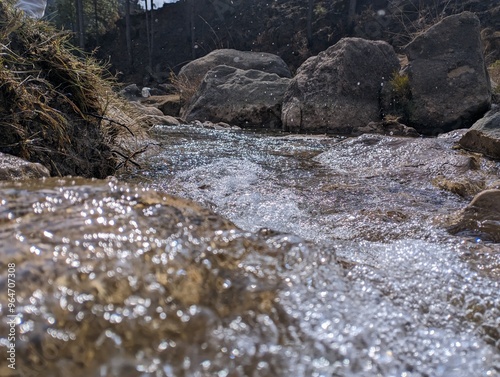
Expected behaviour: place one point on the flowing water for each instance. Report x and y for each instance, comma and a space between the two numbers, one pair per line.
338, 262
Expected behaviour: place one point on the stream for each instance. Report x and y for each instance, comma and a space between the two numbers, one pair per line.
276, 255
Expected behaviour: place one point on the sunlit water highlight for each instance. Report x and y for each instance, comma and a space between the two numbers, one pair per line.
339, 266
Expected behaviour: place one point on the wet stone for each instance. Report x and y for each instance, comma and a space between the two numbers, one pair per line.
484, 136
116, 275
480, 218
12, 167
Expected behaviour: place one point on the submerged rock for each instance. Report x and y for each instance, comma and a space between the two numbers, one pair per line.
420, 163
338, 90
115, 277
247, 98
420, 159
450, 86
484, 135
12, 167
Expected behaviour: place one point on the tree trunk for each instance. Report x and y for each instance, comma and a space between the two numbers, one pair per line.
96, 24
192, 29
151, 38
128, 35
148, 33
80, 23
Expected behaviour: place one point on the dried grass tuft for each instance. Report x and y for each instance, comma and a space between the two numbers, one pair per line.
54, 100
185, 87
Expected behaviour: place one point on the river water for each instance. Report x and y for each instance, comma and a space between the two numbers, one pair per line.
338, 262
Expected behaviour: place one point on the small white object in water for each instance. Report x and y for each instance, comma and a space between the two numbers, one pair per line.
145, 92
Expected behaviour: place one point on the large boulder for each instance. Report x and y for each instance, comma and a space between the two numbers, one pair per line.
14, 168
450, 86
260, 61
338, 90
484, 135
247, 98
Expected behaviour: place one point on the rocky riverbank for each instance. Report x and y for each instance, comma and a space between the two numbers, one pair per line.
440, 84
188, 30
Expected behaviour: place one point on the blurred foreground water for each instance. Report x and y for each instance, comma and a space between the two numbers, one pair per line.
333, 261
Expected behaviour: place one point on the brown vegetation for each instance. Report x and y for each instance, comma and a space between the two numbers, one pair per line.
53, 104
491, 43
185, 87
494, 72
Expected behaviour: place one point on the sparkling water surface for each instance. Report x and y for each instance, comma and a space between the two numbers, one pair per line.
338, 264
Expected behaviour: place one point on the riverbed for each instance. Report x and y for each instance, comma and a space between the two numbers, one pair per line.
289, 255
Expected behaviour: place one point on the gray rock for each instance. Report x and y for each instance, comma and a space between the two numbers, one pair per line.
131, 92
13, 168
338, 90
484, 135
146, 92
261, 61
450, 87
167, 88
247, 98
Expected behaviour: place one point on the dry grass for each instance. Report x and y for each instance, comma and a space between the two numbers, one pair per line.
400, 84
54, 100
494, 71
415, 18
397, 101
185, 87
